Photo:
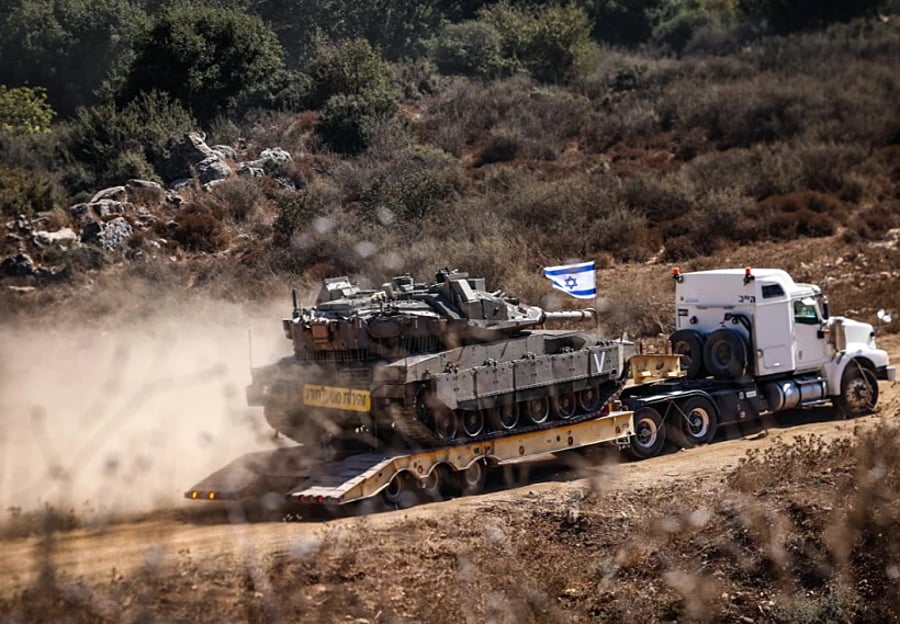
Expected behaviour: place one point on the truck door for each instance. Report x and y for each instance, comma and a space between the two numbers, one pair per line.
772, 324
809, 342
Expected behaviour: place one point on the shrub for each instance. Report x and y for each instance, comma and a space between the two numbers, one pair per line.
204, 57
873, 222
346, 121
25, 109
413, 185
797, 215
551, 40
102, 135
197, 229
349, 68
472, 48
26, 192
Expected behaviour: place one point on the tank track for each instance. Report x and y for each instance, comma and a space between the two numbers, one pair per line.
417, 435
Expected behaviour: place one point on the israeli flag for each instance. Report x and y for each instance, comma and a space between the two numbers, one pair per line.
574, 279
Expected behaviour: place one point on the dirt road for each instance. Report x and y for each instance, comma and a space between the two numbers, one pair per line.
164, 540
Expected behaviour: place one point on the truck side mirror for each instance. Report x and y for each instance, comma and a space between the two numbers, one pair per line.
825, 313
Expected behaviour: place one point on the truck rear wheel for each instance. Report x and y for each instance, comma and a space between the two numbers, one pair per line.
859, 392
649, 434
725, 354
688, 343
698, 421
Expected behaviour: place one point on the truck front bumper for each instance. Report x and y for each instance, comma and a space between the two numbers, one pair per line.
888, 373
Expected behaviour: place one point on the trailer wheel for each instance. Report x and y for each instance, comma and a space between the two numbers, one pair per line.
471, 480
504, 417
432, 485
725, 354
698, 421
859, 392
688, 343
564, 405
399, 493
538, 410
589, 399
649, 434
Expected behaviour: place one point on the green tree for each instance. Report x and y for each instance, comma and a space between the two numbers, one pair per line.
398, 28
471, 48
25, 109
206, 58
551, 40
69, 47
352, 86
788, 15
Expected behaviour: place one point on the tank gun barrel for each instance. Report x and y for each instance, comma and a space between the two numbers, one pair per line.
585, 314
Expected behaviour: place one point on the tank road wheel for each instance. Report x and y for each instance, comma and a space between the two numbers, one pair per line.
649, 434
446, 425
472, 422
688, 343
538, 410
565, 405
725, 354
698, 422
589, 399
859, 392
471, 480
504, 417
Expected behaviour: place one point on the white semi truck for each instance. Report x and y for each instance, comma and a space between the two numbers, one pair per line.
753, 342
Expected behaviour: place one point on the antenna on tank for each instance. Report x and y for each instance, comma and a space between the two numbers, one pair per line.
294, 299
250, 347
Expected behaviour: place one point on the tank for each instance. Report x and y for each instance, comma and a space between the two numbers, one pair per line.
421, 365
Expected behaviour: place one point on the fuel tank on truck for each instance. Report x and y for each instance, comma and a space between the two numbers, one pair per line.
419, 365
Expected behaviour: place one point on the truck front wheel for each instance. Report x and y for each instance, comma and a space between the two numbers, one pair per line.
649, 434
859, 392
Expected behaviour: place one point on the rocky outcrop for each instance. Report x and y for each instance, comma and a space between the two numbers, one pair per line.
62, 236
110, 236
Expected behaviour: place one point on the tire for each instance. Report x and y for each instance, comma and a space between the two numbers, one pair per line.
725, 354
698, 421
688, 343
400, 492
649, 434
471, 480
432, 486
859, 392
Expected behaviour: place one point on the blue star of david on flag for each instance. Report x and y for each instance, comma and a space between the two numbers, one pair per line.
574, 279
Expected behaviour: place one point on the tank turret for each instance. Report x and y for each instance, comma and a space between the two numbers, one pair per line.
424, 364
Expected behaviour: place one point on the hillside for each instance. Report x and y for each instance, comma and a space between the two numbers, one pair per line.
170, 171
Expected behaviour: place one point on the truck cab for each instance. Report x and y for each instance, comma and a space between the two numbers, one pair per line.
760, 323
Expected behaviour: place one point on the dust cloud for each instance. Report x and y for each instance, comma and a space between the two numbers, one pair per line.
126, 418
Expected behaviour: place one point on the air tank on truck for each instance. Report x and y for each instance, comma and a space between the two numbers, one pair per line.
753, 342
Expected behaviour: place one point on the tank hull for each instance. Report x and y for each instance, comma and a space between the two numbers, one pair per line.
453, 396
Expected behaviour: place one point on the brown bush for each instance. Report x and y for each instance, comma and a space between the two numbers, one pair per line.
197, 229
